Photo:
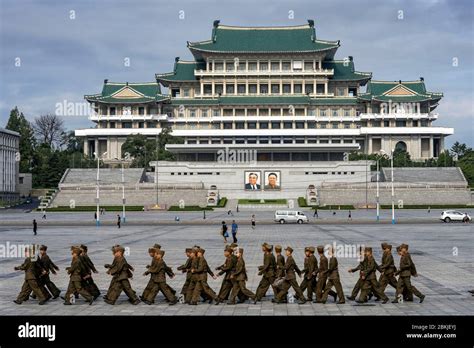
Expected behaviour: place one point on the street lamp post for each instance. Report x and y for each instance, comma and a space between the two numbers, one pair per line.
393, 190
123, 189
97, 221
378, 196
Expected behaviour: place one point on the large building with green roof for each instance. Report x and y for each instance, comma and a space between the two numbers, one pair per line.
277, 90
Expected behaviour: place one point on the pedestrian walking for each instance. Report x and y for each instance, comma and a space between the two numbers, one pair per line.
315, 214
224, 231
35, 227
44, 215
204, 215
237, 208
118, 221
350, 215
234, 229
95, 216
229, 212
429, 210
252, 220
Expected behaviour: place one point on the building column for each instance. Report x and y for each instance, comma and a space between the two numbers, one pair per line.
431, 147
96, 146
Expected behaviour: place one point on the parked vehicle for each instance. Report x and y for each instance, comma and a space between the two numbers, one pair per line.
289, 216
454, 215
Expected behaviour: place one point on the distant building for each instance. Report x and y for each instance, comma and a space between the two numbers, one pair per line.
9, 166
278, 90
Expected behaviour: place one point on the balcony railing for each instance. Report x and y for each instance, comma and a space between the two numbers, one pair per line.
122, 117
202, 73
399, 115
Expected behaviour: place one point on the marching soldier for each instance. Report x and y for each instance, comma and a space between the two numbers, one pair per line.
267, 271
310, 267
368, 273
201, 285
45, 266
290, 279
193, 278
407, 294
406, 270
360, 281
149, 286
240, 277
280, 262
88, 267
322, 276
226, 269
31, 282
75, 281
186, 268
158, 271
168, 269
121, 271
333, 279
387, 268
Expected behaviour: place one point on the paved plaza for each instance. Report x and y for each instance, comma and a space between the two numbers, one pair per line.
443, 254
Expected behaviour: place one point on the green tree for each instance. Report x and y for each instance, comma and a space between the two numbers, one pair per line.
18, 123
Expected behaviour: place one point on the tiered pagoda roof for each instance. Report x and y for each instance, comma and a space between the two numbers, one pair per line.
234, 39
128, 93
399, 91
183, 71
344, 70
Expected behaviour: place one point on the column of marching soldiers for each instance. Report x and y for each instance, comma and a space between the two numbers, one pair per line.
276, 271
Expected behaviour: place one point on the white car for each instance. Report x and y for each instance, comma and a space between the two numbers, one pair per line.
453, 215
284, 216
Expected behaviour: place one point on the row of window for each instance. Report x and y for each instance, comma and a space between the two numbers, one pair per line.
180, 112
237, 65
270, 140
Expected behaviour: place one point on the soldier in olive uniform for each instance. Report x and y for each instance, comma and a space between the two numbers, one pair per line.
226, 268
267, 271
322, 276
369, 277
406, 270
121, 271
360, 281
333, 279
309, 271
201, 285
89, 268
151, 283
193, 276
280, 262
387, 268
31, 281
290, 279
186, 268
168, 269
158, 271
240, 277
46, 265
407, 294
75, 281
113, 280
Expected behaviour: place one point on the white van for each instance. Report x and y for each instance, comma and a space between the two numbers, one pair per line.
287, 216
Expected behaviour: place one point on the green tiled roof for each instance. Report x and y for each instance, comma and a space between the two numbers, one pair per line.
146, 92
345, 71
182, 71
228, 39
378, 90
266, 100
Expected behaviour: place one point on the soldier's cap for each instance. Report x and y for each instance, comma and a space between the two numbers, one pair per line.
43, 247
160, 252
405, 246
194, 250
320, 249
119, 248
76, 250
267, 246
157, 246
241, 250
234, 245
83, 247
277, 247
270, 247
201, 250
388, 246
398, 248
311, 249
290, 249
229, 249
368, 249
188, 250
151, 250
196, 247
74, 247
384, 245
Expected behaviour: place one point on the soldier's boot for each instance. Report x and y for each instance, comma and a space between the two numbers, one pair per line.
17, 301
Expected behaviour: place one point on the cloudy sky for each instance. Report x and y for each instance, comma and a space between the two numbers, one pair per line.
52, 51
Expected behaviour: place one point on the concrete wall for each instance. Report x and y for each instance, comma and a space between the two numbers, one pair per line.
134, 196
25, 184
405, 195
